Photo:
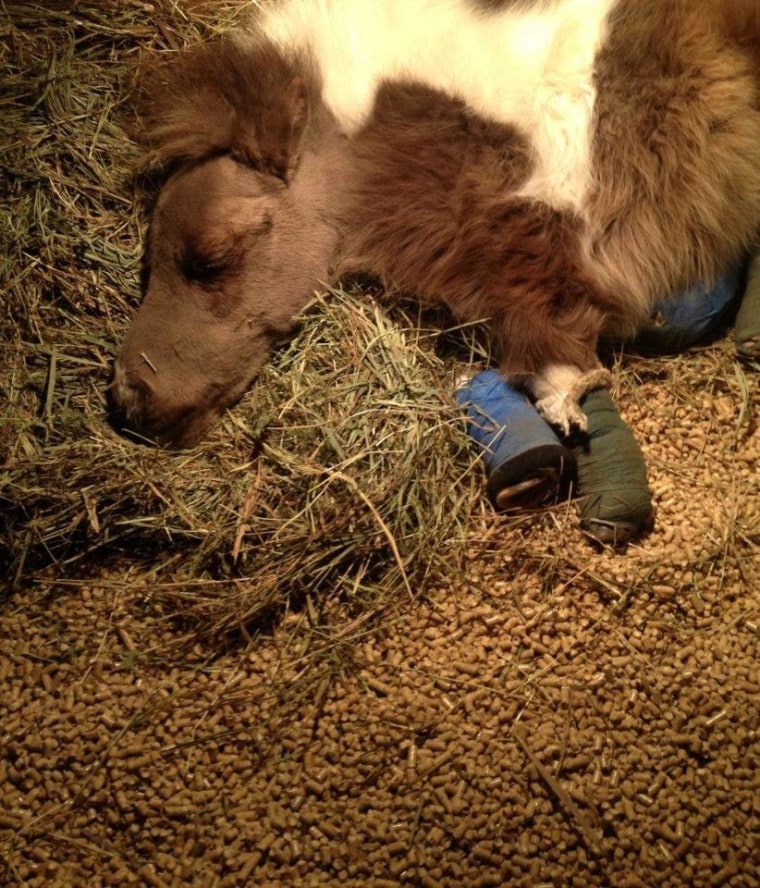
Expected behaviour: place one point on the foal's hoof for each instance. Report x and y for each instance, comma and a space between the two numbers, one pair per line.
747, 329
614, 500
527, 465
563, 412
691, 316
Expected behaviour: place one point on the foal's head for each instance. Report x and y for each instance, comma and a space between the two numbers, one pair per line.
242, 233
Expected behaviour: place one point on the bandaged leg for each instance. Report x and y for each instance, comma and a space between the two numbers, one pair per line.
526, 464
614, 500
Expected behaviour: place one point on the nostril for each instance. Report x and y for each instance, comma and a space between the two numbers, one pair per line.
128, 394
132, 378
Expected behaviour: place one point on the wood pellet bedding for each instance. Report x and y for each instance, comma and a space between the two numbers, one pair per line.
516, 708
515, 732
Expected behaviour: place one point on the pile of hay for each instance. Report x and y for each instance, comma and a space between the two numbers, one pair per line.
345, 471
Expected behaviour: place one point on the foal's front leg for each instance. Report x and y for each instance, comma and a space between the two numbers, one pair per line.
547, 339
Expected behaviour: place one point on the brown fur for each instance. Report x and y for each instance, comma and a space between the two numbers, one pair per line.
676, 149
435, 214
252, 103
740, 20
488, 6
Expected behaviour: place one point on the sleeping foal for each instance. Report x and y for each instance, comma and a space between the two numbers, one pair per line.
555, 167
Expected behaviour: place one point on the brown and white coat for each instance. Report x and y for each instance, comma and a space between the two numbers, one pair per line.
553, 166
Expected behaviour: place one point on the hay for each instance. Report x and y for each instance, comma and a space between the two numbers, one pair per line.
341, 473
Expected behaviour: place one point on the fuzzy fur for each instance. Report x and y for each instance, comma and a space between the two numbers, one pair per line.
527, 63
675, 149
437, 212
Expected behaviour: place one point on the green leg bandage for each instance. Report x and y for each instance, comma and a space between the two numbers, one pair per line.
747, 328
614, 500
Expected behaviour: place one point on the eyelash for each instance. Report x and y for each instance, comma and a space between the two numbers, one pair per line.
202, 270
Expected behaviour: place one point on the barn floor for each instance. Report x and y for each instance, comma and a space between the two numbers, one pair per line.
558, 716
530, 711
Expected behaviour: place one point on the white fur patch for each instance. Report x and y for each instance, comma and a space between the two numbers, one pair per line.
530, 66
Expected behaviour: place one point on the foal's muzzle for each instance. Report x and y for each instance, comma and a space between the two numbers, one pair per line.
137, 410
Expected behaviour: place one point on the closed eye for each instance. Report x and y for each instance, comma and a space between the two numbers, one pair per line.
212, 253
202, 269
208, 258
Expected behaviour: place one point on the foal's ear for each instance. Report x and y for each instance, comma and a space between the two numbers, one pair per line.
250, 101
271, 138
